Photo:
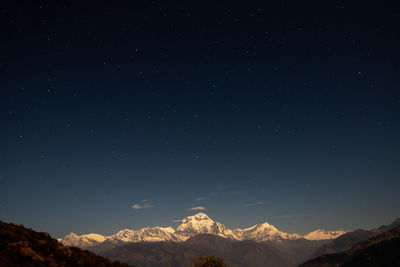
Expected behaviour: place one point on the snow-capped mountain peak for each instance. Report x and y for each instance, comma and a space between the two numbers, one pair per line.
321, 234
147, 234
200, 223
83, 241
266, 227
124, 235
198, 216
264, 232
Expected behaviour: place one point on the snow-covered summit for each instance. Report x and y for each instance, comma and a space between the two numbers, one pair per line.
199, 218
147, 234
200, 223
264, 232
196, 224
321, 234
83, 241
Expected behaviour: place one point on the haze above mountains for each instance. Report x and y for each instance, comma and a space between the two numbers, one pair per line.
191, 226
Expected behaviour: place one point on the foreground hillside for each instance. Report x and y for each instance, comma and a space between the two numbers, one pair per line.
381, 250
24, 247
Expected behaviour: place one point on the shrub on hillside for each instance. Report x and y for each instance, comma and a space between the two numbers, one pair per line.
209, 262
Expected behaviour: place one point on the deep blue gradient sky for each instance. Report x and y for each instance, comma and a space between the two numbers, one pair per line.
283, 113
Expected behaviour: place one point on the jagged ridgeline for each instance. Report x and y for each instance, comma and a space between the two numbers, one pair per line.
191, 226
20, 246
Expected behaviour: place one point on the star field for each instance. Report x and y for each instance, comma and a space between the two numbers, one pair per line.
286, 113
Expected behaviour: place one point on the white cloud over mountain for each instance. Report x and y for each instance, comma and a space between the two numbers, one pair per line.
197, 208
144, 205
254, 204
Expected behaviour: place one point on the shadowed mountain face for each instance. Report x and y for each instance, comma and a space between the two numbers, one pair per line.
381, 250
345, 242
349, 239
298, 250
236, 253
24, 247
394, 224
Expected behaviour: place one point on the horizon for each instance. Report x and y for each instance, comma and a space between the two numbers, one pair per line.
175, 224
124, 116
232, 228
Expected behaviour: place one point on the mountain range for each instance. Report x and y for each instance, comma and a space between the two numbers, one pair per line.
191, 226
377, 247
239, 247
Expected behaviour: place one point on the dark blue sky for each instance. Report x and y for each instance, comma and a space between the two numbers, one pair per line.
283, 113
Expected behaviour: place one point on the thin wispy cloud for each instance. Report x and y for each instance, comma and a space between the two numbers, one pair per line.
199, 199
254, 204
221, 187
290, 216
197, 208
144, 205
177, 221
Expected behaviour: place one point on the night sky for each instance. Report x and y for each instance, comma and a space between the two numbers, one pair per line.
121, 116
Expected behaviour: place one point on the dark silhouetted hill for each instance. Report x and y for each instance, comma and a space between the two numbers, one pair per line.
381, 250
20, 246
209, 262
